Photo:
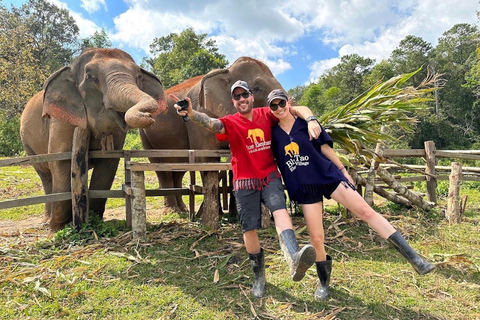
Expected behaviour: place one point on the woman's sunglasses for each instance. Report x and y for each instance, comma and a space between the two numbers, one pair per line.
281, 104
244, 94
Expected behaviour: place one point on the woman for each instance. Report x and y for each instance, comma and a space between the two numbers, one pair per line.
311, 170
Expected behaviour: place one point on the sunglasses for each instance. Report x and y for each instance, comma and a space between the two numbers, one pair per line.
281, 104
244, 94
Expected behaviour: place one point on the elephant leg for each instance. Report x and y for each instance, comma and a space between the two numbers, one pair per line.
103, 174
46, 178
166, 182
61, 211
177, 182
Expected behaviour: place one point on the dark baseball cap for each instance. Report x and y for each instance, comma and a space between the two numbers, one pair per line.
276, 94
240, 84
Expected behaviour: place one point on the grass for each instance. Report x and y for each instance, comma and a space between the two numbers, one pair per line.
184, 271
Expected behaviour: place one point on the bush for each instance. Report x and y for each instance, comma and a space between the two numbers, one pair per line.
10, 143
132, 141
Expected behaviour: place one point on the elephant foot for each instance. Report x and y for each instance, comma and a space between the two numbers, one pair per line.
170, 209
183, 208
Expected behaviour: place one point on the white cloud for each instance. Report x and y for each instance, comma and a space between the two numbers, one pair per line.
319, 67
280, 32
93, 5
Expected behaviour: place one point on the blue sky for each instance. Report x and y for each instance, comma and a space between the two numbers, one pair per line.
297, 39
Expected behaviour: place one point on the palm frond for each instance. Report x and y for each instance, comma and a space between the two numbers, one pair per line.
356, 125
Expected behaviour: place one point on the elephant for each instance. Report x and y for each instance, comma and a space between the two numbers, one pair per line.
103, 92
210, 94
256, 135
292, 149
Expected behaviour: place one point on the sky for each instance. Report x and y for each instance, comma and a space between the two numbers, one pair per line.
298, 39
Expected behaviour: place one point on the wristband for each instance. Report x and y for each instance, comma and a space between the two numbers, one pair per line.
341, 169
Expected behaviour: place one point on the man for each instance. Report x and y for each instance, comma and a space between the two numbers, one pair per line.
256, 178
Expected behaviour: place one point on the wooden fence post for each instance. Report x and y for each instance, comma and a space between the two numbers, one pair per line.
430, 168
368, 195
127, 187
453, 213
79, 176
139, 206
211, 205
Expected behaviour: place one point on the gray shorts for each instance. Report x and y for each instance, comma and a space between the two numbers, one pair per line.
249, 203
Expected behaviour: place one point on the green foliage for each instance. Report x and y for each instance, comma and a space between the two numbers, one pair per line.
93, 229
178, 57
10, 144
53, 30
21, 74
132, 141
99, 39
356, 125
411, 54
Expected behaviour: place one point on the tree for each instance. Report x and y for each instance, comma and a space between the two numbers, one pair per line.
178, 57
99, 39
411, 54
53, 31
21, 75
348, 76
452, 56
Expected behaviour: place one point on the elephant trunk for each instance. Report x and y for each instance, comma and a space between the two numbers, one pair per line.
139, 107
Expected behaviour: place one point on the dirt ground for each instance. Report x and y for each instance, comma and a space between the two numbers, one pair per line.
34, 228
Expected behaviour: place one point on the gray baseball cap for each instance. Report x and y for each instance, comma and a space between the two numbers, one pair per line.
276, 94
240, 84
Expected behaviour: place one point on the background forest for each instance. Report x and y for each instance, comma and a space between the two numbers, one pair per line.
38, 38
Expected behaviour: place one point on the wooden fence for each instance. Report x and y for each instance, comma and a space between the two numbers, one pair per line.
216, 182
133, 187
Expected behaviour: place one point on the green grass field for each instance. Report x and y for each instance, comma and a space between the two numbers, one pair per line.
185, 271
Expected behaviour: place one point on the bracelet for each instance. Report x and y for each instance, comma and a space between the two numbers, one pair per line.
341, 169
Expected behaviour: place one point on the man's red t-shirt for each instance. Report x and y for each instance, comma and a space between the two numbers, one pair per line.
250, 145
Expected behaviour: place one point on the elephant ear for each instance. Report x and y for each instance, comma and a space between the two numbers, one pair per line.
214, 95
62, 100
151, 84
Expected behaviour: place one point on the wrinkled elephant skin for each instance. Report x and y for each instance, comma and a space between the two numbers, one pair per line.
209, 94
104, 92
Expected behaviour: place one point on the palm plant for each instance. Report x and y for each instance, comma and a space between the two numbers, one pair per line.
356, 125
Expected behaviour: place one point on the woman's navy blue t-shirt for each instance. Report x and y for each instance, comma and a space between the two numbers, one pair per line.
303, 166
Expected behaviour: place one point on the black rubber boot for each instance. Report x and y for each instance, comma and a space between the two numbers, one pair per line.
298, 260
324, 269
419, 264
258, 266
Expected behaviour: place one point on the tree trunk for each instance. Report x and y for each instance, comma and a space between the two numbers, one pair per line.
453, 213
403, 191
211, 205
79, 178
139, 206
382, 192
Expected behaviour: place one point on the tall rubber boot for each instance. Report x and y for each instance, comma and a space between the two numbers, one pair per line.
419, 264
258, 266
298, 260
324, 269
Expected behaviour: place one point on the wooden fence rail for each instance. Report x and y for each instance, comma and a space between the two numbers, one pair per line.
134, 192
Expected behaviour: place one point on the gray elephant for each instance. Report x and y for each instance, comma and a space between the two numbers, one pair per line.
209, 94
104, 92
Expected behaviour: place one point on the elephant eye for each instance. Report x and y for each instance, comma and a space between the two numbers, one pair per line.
89, 76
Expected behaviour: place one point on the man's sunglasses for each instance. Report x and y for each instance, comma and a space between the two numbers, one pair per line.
244, 94
281, 104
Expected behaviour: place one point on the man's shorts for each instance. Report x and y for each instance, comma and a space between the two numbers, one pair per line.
249, 203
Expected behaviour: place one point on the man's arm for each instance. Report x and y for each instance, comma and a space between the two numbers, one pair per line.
303, 112
211, 124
